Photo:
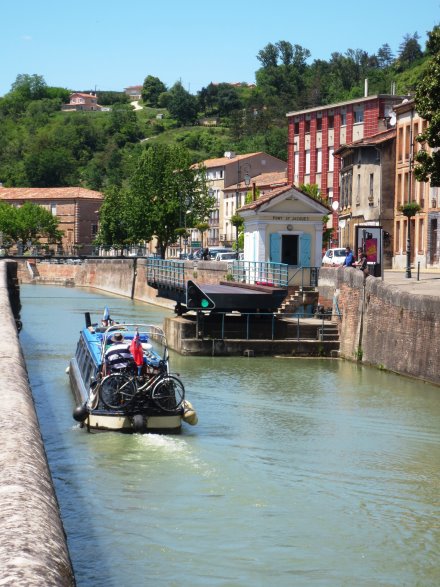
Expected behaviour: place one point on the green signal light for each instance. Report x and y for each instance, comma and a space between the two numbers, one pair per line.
204, 303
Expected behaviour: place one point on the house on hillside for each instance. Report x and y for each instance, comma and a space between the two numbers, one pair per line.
77, 210
80, 101
134, 92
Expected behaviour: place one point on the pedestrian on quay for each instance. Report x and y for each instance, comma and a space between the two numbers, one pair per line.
349, 258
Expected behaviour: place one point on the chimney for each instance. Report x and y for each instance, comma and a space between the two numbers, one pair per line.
366, 87
229, 154
254, 191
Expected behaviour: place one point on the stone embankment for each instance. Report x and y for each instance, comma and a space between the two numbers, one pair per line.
382, 325
33, 549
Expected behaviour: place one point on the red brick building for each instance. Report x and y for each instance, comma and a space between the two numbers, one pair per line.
316, 133
77, 210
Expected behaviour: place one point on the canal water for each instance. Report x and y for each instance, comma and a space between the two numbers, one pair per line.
300, 472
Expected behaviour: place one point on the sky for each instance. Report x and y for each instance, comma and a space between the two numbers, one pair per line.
112, 44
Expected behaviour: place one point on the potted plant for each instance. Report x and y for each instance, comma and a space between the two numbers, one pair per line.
410, 209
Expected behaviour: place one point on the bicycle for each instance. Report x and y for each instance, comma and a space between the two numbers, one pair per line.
123, 389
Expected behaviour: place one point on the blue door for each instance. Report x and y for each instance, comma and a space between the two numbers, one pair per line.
305, 248
275, 248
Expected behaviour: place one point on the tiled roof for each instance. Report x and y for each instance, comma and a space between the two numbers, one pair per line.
264, 199
377, 139
221, 161
49, 194
273, 179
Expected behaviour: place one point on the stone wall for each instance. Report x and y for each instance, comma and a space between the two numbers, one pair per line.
383, 326
33, 549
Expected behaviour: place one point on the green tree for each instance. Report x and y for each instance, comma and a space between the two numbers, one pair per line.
151, 90
409, 51
113, 219
28, 224
182, 105
427, 103
165, 186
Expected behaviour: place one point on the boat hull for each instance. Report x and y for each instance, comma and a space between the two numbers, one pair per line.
99, 420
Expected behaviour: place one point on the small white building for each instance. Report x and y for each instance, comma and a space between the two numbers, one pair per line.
284, 226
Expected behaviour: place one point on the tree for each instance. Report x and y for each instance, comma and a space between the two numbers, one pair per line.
164, 186
409, 51
113, 222
182, 105
385, 56
427, 101
28, 224
151, 90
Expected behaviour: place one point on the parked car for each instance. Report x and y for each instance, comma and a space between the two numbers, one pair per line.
213, 251
230, 256
334, 257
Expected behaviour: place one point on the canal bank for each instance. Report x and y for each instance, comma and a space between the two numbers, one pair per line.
392, 325
33, 549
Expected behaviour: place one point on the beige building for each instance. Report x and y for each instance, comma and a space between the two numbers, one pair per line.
367, 173
230, 177
423, 233
77, 210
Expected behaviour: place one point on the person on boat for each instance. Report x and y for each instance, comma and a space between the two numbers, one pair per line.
118, 356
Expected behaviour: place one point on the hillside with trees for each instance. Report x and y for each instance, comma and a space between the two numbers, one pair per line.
41, 146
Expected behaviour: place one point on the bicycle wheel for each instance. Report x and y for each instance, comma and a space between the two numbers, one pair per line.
168, 394
117, 391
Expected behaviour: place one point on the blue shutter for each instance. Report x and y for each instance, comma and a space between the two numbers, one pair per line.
275, 248
305, 249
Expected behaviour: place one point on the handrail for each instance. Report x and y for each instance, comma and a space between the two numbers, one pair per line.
259, 273
313, 277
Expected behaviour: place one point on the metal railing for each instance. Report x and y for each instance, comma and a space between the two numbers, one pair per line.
309, 276
269, 326
168, 273
259, 273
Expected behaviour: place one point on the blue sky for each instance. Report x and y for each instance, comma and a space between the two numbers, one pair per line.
114, 44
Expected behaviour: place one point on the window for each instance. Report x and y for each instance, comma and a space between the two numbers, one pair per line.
331, 121
318, 160
343, 118
296, 128
307, 162
289, 249
53, 209
94, 230
358, 115
319, 124
371, 185
421, 236
330, 159
307, 126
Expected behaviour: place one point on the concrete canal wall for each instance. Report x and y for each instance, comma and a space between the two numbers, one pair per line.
383, 326
33, 549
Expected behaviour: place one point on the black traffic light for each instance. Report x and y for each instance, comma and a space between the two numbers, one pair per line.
196, 299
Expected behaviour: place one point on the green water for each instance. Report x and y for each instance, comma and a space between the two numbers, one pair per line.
300, 472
